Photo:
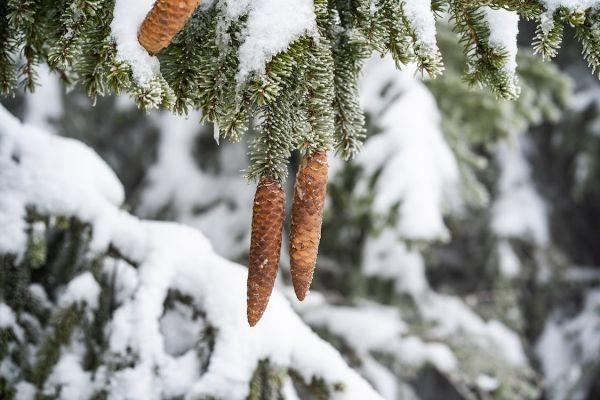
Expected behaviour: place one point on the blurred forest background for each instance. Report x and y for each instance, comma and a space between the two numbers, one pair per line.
460, 256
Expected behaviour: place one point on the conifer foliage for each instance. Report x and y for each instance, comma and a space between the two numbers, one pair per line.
299, 94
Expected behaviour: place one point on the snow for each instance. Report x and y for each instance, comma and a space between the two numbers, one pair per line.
567, 345
128, 16
180, 330
224, 194
70, 380
25, 391
82, 288
421, 18
413, 351
487, 383
26, 166
7, 317
452, 317
372, 327
508, 262
578, 5
126, 278
519, 211
449, 315
72, 181
271, 26
504, 27
385, 256
382, 379
419, 170
45, 103
363, 327
572, 5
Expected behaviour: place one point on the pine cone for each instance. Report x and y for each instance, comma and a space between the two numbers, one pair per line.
307, 216
166, 18
265, 246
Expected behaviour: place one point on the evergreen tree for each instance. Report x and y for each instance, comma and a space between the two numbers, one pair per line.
423, 286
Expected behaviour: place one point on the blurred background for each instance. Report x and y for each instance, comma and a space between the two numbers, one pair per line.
460, 253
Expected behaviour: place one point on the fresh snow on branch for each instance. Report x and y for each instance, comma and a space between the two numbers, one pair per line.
567, 346
574, 5
551, 6
519, 211
71, 180
128, 16
228, 196
419, 170
504, 27
421, 19
270, 27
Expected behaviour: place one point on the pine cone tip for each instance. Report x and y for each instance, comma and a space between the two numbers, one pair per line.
301, 290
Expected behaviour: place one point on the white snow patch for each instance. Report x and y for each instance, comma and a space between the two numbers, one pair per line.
508, 262
572, 5
566, 346
25, 391
45, 103
69, 180
413, 351
82, 288
382, 378
7, 317
518, 211
453, 317
271, 26
378, 328
422, 20
180, 330
487, 383
224, 195
419, 170
128, 16
363, 327
70, 380
504, 27
387, 257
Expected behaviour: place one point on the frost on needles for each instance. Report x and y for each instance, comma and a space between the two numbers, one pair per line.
291, 66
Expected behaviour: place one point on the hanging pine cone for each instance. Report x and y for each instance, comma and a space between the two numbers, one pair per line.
166, 18
265, 246
307, 216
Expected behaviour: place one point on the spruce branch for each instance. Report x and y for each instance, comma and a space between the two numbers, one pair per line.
69, 33
8, 46
348, 56
588, 33
273, 143
485, 63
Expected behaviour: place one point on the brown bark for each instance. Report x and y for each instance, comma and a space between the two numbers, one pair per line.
265, 246
164, 21
307, 217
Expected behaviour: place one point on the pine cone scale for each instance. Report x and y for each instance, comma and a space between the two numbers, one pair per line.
164, 21
307, 216
265, 246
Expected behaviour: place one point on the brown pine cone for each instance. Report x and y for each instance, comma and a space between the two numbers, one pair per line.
265, 246
166, 18
307, 216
